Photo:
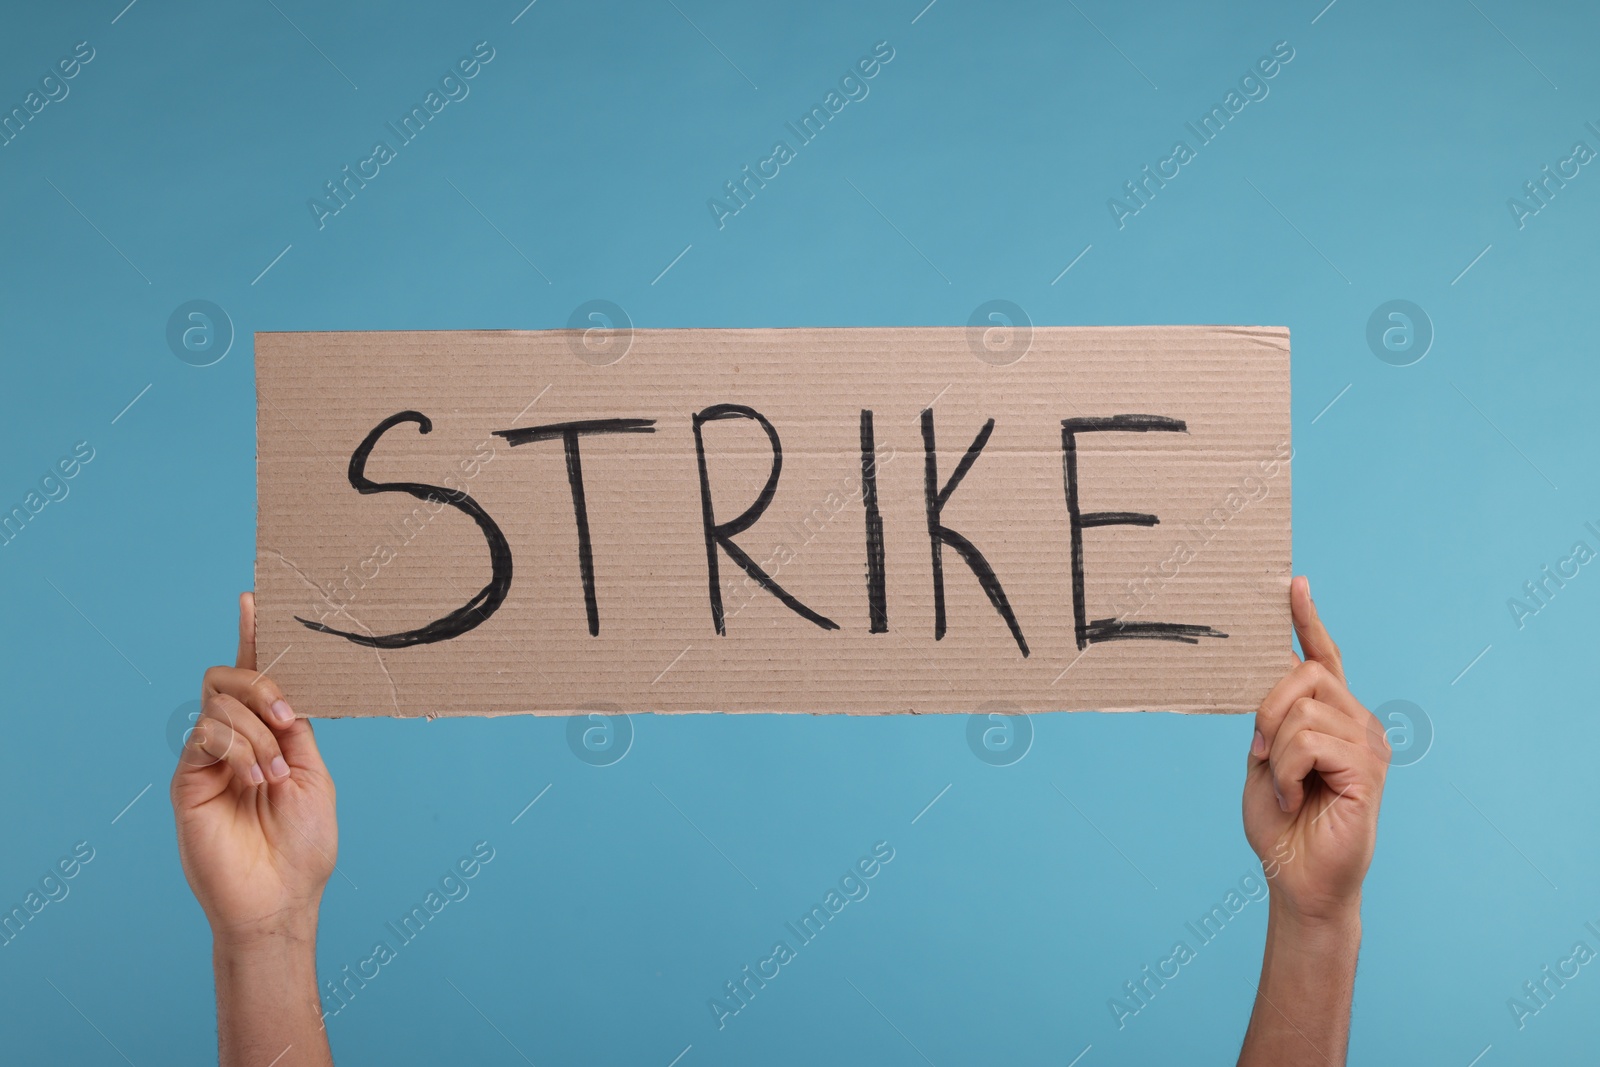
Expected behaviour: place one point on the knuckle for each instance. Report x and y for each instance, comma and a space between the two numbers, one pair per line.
1303, 744
264, 689
217, 706
241, 751
246, 720
265, 742
217, 741
1302, 708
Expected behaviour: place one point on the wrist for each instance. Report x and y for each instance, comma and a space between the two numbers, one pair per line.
1317, 928
285, 932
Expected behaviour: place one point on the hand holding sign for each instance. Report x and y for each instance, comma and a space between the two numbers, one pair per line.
257, 837
1317, 764
254, 804
1317, 767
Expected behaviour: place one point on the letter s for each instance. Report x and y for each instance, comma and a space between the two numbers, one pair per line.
473, 612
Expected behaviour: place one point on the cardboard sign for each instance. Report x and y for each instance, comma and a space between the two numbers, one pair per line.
808, 520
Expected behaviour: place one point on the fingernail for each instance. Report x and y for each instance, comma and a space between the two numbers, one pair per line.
280, 769
256, 777
1258, 745
282, 711
1308, 587
1282, 803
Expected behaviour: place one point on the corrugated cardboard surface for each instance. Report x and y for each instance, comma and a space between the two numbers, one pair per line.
389, 562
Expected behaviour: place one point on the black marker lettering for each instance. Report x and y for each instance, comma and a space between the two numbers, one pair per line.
941, 535
877, 594
1089, 633
474, 611
722, 534
569, 432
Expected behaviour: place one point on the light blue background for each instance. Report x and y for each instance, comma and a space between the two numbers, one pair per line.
1424, 498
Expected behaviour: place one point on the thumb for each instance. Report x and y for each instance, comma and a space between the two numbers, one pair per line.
246, 656
1315, 641
296, 740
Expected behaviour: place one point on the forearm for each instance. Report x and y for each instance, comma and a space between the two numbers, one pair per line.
268, 1010
1308, 973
